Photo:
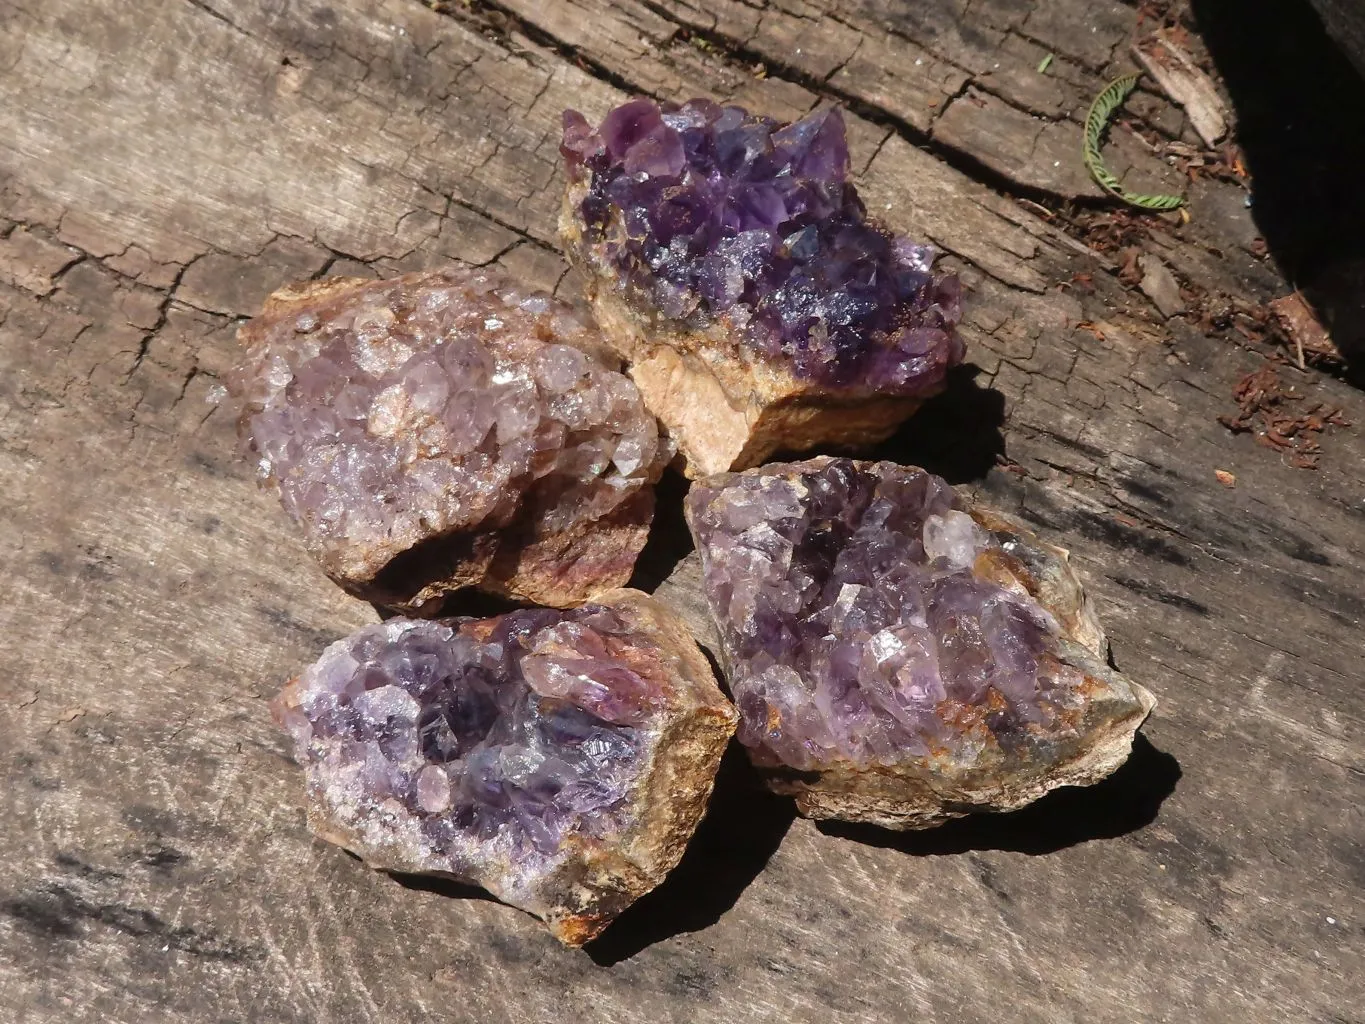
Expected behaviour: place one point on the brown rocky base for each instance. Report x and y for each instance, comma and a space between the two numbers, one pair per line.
925, 792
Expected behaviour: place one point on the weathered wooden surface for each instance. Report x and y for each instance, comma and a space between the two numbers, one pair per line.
164, 165
1345, 23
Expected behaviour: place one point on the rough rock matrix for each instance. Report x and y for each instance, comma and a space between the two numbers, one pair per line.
445, 430
897, 656
732, 264
559, 759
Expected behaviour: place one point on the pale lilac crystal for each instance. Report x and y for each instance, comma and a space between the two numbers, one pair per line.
861, 623
458, 735
537, 754
703, 212
452, 406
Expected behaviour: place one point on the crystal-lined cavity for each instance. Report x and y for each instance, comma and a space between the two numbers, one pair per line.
521, 753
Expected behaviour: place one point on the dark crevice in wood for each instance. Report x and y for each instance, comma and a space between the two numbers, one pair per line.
162, 315
477, 15
960, 160
490, 16
208, 9
505, 225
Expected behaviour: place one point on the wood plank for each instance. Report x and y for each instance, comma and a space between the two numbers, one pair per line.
1345, 24
914, 64
164, 166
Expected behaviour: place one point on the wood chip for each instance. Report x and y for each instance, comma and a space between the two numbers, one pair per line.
1160, 285
1308, 338
1180, 78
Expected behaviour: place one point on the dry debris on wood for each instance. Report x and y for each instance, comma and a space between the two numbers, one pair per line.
1189, 87
1264, 411
1158, 283
1305, 336
1111, 231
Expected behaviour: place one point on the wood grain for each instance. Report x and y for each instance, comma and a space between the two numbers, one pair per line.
163, 166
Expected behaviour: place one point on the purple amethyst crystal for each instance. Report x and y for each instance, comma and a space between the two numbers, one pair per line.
702, 213
449, 429
560, 759
896, 656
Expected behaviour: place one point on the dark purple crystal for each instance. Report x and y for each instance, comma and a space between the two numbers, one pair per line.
702, 212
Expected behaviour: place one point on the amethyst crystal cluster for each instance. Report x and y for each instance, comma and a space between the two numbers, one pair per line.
445, 430
560, 759
703, 211
731, 263
897, 657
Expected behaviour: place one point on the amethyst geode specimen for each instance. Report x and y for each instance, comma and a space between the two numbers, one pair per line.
897, 656
559, 759
734, 267
448, 429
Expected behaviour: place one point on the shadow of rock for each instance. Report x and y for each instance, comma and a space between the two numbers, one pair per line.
441, 886
669, 539
668, 544
1300, 109
956, 435
473, 603
742, 829
1125, 802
